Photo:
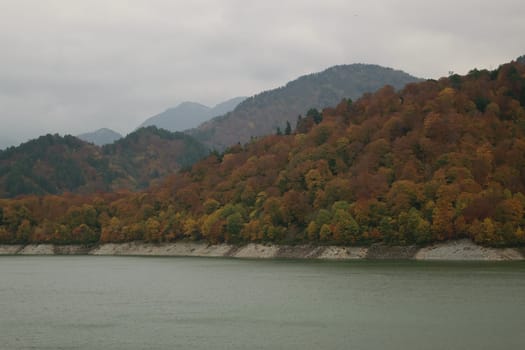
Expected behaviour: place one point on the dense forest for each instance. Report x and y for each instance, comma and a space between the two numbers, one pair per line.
54, 164
435, 161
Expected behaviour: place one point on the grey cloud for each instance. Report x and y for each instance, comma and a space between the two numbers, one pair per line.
73, 66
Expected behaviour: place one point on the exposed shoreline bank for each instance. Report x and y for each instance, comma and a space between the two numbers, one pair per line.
461, 250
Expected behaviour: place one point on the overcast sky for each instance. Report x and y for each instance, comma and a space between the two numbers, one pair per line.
71, 66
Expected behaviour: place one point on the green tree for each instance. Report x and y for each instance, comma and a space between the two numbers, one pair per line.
413, 228
288, 128
315, 115
346, 229
234, 225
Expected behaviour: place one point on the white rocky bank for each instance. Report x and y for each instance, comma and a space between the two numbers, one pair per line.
453, 250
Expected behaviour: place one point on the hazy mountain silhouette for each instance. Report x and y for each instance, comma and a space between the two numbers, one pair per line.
100, 137
189, 115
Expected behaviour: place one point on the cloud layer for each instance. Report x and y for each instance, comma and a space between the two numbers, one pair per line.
75, 66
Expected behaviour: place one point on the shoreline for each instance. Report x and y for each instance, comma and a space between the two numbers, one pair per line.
460, 250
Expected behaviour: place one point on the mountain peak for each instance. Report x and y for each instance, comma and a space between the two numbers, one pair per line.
101, 136
263, 113
188, 115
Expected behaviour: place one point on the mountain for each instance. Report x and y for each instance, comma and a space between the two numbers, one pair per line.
100, 137
225, 107
521, 59
262, 114
149, 154
438, 160
51, 164
188, 115
54, 164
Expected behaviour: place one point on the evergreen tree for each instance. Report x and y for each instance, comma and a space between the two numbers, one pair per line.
288, 129
314, 113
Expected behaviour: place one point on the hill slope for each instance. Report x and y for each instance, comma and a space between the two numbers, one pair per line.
437, 160
100, 137
149, 154
263, 113
188, 115
54, 164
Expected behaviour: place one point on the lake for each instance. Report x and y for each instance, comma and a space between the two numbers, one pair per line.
87, 302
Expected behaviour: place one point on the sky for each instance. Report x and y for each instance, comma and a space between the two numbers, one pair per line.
72, 66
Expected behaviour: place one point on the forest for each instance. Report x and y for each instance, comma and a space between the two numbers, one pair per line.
438, 160
54, 164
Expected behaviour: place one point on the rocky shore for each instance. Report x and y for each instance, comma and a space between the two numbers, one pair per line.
461, 250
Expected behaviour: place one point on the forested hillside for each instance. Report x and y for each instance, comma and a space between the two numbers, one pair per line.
149, 154
263, 113
53, 164
437, 160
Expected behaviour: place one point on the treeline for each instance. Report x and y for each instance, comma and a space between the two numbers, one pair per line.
435, 161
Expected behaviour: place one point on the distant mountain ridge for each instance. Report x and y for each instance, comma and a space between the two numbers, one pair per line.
188, 115
263, 113
101, 136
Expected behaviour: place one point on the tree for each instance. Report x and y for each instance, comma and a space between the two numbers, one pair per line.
325, 233
112, 232
152, 228
234, 225
191, 228
288, 128
403, 195
413, 228
295, 207
346, 229
312, 231
23, 231
84, 234
443, 221
315, 115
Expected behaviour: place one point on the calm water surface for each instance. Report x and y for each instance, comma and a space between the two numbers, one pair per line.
85, 302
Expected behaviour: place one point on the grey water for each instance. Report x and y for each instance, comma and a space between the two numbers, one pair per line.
85, 302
